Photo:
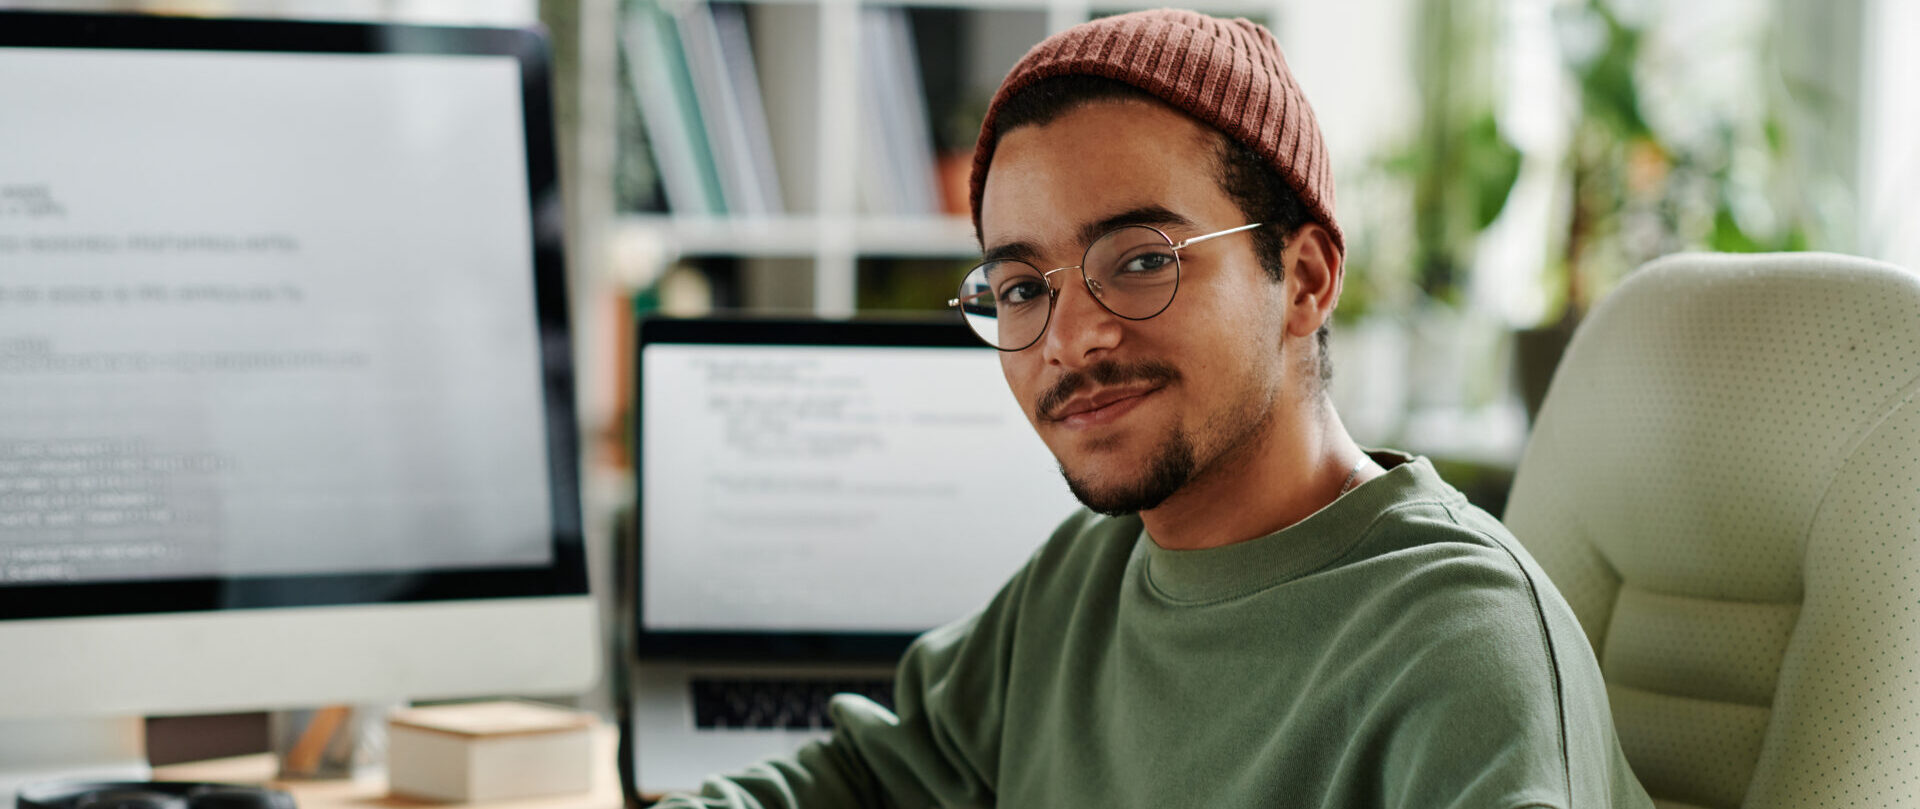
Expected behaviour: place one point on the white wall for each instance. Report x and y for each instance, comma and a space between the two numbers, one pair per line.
1890, 134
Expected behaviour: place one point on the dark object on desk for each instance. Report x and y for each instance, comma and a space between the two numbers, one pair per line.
790, 704
149, 795
176, 739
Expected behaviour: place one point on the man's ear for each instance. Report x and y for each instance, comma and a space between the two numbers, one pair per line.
1315, 269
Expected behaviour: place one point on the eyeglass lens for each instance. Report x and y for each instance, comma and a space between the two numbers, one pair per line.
1132, 271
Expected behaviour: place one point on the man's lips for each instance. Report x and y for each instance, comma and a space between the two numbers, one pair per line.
1102, 392
1102, 406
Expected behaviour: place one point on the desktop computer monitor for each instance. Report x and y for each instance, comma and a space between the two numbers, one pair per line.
286, 409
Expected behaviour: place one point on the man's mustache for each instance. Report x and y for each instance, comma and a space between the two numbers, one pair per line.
1104, 373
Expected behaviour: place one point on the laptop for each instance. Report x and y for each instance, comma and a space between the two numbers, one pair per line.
810, 499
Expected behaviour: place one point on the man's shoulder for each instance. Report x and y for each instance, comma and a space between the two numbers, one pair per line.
1422, 505
1447, 551
1463, 601
1475, 641
1446, 541
1440, 570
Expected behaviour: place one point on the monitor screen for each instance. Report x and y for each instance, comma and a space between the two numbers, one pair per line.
266, 314
884, 485
282, 325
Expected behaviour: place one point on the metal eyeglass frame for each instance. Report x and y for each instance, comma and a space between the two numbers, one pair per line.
1053, 292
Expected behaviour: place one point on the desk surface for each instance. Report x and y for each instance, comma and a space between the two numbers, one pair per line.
370, 792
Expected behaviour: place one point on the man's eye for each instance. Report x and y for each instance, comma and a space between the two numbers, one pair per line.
1146, 263
1020, 292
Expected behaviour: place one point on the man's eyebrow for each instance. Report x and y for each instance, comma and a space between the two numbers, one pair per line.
1019, 251
1151, 215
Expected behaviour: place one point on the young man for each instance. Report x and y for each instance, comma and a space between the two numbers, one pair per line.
1253, 611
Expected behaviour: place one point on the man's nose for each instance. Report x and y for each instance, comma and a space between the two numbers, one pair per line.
1081, 329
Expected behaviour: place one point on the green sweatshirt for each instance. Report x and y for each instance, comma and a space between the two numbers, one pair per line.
1398, 648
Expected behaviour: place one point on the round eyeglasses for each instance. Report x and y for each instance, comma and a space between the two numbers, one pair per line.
1132, 271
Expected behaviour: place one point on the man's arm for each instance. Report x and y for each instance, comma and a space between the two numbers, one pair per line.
941, 748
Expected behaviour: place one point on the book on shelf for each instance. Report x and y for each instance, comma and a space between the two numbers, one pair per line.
786, 39
897, 171
692, 71
736, 48
720, 60
663, 86
729, 96
635, 175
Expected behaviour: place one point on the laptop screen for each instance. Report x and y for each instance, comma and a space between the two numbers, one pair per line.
813, 479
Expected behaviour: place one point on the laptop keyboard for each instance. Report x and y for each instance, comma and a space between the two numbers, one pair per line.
776, 704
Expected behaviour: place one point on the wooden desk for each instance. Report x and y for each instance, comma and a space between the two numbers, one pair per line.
370, 792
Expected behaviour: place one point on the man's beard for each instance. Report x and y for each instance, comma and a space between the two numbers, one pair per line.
1169, 472
1175, 462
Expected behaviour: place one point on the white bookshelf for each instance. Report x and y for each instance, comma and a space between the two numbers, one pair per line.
818, 73
801, 236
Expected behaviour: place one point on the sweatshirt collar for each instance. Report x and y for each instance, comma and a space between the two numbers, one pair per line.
1245, 567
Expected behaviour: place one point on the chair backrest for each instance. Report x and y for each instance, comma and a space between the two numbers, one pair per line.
1724, 482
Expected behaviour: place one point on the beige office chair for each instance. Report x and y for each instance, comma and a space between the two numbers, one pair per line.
1724, 482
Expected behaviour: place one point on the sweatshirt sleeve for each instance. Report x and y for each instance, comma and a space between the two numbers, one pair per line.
942, 748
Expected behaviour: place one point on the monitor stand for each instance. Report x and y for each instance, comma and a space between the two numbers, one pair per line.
62, 749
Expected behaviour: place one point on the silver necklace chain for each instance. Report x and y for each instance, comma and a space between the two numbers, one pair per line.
1347, 485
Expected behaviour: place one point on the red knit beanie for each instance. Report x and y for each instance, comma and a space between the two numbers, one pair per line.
1226, 73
